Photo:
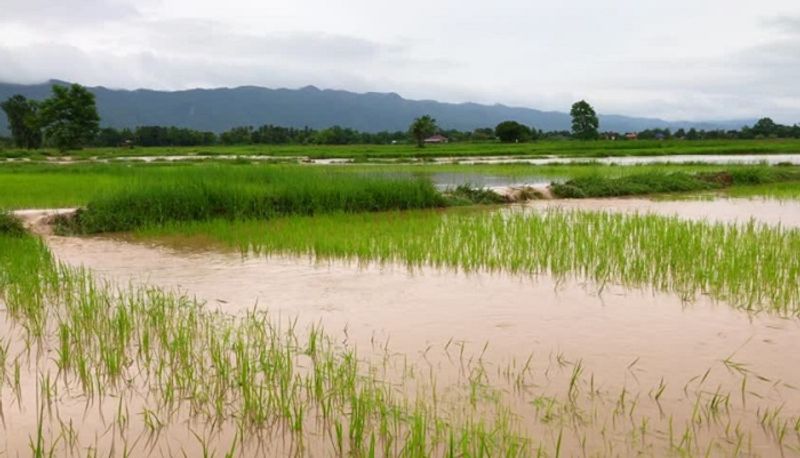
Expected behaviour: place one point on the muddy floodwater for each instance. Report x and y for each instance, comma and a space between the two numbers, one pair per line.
516, 316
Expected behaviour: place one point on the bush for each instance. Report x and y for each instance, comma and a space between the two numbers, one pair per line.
11, 225
468, 195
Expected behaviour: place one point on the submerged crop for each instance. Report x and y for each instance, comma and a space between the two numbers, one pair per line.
144, 371
247, 384
750, 266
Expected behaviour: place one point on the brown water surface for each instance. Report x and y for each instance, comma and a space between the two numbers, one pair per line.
516, 316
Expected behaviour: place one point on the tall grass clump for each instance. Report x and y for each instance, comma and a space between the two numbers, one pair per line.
10, 224
248, 193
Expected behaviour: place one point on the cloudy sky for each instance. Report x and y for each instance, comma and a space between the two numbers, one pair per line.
678, 60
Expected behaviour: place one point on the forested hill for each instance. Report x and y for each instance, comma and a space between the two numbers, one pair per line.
220, 109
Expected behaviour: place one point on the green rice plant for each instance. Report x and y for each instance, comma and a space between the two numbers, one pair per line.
563, 148
780, 191
236, 193
266, 379
750, 266
222, 368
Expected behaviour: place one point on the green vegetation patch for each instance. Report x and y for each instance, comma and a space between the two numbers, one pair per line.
655, 182
190, 194
779, 191
10, 225
561, 148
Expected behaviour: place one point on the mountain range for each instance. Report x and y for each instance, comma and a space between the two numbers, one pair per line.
220, 109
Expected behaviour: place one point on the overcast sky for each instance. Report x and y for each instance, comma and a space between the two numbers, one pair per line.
678, 60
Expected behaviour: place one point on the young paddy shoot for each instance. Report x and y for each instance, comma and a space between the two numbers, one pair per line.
750, 266
167, 374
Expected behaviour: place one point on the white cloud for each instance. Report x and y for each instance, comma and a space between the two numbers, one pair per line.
46, 13
676, 60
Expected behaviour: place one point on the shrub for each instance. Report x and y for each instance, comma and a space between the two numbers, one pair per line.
10, 225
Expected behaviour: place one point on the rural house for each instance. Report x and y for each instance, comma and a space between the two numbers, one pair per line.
436, 139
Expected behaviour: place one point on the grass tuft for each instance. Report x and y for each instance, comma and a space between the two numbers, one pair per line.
11, 225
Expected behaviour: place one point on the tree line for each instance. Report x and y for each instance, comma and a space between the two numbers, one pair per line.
69, 120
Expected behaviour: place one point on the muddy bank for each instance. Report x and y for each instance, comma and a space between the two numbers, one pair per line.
41, 221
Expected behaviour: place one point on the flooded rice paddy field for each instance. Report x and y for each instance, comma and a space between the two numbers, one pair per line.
424, 307
587, 370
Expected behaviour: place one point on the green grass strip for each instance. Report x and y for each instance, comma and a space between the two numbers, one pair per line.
655, 182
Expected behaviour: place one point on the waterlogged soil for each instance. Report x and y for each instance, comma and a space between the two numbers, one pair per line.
726, 210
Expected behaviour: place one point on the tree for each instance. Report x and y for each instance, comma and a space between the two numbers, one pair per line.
536, 134
584, 121
483, 133
69, 118
766, 127
23, 120
512, 131
237, 136
422, 128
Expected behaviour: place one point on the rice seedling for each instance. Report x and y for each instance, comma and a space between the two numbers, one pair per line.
257, 371
779, 191
189, 194
750, 266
